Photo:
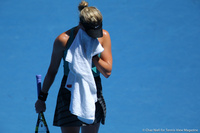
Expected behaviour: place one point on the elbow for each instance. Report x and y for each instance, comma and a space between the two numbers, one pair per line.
107, 75
52, 72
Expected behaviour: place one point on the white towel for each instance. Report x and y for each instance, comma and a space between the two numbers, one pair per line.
80, 79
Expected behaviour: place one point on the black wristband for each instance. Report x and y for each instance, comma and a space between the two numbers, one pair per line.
43, 96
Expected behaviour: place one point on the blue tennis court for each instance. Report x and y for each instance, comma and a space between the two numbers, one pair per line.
155, 82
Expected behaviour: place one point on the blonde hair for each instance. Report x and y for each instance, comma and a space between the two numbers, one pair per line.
90, 15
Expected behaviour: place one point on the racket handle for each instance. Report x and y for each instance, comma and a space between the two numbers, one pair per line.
38, 81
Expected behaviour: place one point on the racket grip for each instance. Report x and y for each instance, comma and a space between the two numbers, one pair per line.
38, 81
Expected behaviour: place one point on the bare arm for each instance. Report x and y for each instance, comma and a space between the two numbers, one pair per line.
58, 49
104, 63
57, 54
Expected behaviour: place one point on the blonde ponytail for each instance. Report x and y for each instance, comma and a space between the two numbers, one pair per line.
82, 5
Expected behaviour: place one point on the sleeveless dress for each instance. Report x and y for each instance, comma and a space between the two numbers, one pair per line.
63, 116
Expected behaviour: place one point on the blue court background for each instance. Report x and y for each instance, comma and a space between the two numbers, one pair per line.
156, 62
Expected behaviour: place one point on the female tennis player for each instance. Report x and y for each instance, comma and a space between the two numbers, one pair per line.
91, 23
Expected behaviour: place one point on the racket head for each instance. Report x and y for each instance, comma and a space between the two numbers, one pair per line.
41, 126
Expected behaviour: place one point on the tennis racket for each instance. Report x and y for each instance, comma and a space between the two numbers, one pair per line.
41, 125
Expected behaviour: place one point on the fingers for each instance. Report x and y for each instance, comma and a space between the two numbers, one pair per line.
40, 106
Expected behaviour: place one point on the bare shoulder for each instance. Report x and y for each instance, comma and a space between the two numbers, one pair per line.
62, 39
106, 34
105, 39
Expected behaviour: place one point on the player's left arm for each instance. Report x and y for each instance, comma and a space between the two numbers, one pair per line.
104, 63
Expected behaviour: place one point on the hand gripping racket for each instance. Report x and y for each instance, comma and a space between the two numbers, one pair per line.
41, 126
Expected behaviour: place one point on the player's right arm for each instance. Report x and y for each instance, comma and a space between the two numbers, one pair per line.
56, 57
57, 54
